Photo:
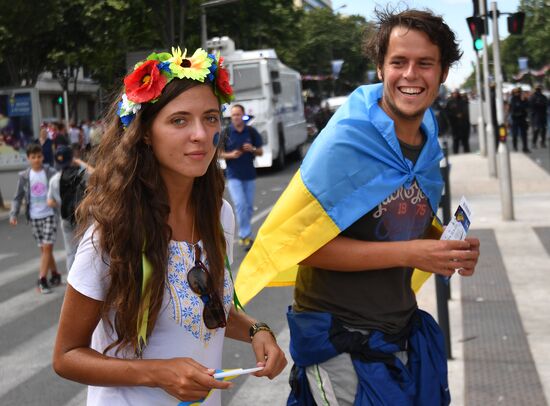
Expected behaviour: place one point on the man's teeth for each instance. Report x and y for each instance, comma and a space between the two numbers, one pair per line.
411, 90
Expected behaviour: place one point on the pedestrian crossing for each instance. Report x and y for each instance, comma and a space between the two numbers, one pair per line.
26, 268
27, 335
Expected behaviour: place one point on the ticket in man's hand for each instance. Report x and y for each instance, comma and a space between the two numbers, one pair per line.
459, 224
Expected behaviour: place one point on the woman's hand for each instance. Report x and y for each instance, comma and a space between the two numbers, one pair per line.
185, 378
268, 355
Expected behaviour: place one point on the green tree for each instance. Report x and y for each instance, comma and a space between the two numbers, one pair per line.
325, 36
26, 36
96, 36
534, 43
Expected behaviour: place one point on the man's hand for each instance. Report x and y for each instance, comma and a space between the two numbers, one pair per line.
13, 221
444, 257
247, 147
236, 153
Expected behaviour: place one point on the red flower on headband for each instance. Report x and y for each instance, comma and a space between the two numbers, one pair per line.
222, 79
145, 83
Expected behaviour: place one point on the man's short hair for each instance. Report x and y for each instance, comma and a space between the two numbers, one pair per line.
376, 43
33, 149
240, 106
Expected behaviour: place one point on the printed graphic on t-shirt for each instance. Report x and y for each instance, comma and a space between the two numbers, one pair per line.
38, 195
38, 192
186, 306
403, 215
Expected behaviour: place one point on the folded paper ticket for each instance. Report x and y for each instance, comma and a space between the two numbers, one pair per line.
460, 223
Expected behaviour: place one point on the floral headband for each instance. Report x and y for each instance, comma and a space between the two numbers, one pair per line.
150, 77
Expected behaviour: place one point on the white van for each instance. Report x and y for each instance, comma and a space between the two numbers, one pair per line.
271, 94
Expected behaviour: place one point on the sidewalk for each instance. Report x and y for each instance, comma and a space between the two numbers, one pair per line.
499, 317
499, 323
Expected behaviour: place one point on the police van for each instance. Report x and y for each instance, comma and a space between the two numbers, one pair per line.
271, 94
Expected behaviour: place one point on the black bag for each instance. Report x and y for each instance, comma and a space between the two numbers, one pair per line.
72, 187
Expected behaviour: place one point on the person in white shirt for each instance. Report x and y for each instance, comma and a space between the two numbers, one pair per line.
149, 295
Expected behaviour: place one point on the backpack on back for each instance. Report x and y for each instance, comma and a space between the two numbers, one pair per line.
72, 187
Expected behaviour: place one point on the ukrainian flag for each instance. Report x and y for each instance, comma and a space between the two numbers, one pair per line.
353, 165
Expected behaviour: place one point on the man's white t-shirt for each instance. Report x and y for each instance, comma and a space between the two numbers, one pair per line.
74, 135
179, 330
39, 191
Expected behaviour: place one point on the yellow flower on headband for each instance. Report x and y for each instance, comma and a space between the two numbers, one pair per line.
194, 67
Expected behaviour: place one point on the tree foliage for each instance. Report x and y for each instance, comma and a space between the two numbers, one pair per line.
534, 43
24, 43
64, 35
324, 37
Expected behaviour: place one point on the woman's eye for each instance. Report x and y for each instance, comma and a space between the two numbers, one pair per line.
178, 121
212, 119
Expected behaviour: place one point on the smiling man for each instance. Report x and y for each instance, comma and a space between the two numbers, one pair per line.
356, 220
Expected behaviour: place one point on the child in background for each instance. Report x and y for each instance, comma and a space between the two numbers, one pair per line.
32, 187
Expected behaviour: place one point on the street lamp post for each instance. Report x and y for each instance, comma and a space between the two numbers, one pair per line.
481, 118
504, 171
490, 130
204, 6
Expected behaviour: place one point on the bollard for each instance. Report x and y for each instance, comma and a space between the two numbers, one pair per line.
505, 180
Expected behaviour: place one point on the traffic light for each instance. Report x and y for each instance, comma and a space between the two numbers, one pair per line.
515, 23
477, 29
60, 100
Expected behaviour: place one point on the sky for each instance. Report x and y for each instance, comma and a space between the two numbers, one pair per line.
454, 12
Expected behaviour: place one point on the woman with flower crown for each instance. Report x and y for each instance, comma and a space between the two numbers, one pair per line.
149, 296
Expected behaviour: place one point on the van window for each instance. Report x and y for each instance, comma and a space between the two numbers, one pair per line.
246, 81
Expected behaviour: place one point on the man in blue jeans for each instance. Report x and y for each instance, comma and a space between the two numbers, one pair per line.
242, 144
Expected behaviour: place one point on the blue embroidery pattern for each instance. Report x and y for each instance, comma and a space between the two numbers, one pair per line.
186, 306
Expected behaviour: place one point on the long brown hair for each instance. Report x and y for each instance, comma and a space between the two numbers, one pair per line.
127, 202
